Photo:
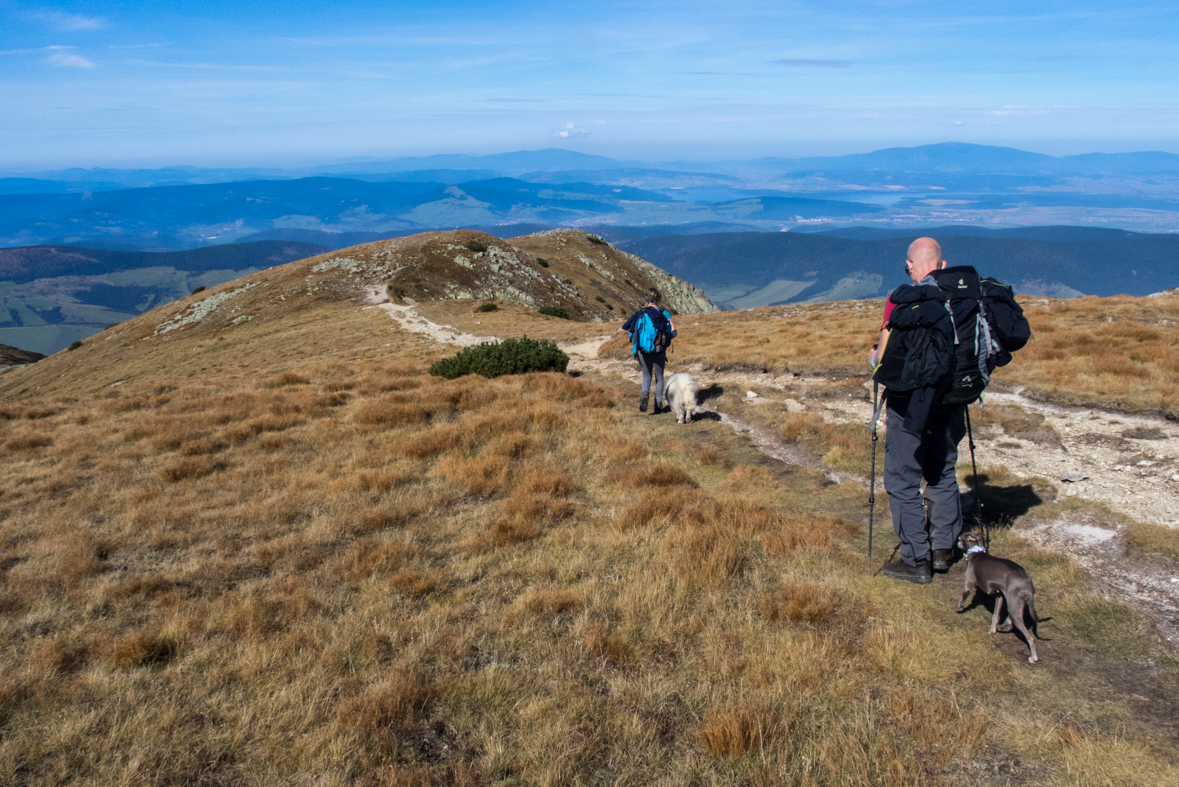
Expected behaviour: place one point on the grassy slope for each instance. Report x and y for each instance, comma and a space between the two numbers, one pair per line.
277, 551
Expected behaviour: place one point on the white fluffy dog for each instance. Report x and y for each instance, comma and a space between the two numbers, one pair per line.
680, 392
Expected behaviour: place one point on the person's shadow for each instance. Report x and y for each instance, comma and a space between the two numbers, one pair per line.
713, 391
1001, 505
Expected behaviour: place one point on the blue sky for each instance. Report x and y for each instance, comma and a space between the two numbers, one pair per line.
265, 83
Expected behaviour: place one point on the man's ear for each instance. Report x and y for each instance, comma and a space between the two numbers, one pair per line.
943, 265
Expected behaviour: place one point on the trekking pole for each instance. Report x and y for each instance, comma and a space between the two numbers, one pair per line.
978, 517
872, 485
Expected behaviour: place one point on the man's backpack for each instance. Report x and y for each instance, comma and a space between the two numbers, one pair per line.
652, 331
988, 326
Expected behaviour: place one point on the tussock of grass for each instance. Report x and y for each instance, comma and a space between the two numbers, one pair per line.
1156, 539
638, 476
744, 477
800, 601
734, 732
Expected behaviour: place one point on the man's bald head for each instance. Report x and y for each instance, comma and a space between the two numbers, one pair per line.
925, 256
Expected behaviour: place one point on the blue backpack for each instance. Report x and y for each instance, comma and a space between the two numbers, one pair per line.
652, 333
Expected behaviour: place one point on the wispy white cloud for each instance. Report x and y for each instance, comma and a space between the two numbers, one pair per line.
59, 56
803, 62
569, 130
68, 60
206, 66
64, 21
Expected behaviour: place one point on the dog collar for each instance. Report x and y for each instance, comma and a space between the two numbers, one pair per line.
976, 548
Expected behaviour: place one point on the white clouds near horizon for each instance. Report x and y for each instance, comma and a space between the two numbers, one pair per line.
283, 80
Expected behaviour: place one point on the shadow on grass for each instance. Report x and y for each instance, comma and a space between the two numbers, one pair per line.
1000, 505
711, 392
706, 416
1005, 625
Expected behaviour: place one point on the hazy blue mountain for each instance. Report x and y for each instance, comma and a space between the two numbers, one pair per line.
928, 158
981, 159
33, 186
193, 215
742, 270
929, 185
557, 165
517, 162
1059, 233
343, 240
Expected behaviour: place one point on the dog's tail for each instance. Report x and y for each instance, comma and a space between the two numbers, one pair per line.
1029, 602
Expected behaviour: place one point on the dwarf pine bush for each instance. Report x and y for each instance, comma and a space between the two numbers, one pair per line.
487, 307
554, 311
511, 356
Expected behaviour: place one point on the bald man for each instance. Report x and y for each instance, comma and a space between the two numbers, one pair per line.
921, 443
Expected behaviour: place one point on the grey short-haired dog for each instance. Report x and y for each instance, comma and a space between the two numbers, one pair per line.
681, 393
1005, 578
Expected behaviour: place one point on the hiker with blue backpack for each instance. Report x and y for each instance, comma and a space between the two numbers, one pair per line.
651, 331
943, 335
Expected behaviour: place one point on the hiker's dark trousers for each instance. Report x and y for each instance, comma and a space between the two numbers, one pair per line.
930, 455
649, 362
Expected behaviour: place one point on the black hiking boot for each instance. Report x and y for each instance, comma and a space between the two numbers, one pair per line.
942, 558
899, 569
643, 402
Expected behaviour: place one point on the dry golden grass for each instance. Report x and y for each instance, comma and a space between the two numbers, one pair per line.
1157, 539
475, 590
734, 732
822, 337
1118, 352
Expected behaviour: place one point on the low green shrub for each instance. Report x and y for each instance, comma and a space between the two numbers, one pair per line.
487, 307
599, 299
542, 262
195, 290
74, 346
554, 311
476, 246
511, 356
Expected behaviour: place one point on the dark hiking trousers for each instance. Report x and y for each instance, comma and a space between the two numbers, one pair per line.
930, 455
649, 362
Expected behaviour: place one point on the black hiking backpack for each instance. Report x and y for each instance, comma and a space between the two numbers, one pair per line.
988, 326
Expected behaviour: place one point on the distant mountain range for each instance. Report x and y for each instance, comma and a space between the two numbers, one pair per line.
744, 270
1094, 223
184, 207
177, 217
